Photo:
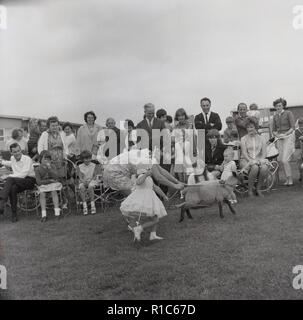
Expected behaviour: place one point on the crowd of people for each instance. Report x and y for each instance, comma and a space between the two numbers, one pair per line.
37, 156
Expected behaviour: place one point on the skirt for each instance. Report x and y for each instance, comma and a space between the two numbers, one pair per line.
143, 202
55, 186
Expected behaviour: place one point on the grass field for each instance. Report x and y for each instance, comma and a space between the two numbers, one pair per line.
249, 256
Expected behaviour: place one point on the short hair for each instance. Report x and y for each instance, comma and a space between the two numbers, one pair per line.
67, 124
85, 154
230, 120
86, 114
213, 133
253, 105
251, 121
280, 100
169, 119
45, 154
40, 121
108, 120
241, 104
52, 119
15, 133
149, 105
130, 123
182, 112
160, 113
205, 99
13, 146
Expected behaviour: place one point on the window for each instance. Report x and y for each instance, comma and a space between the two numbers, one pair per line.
1, 134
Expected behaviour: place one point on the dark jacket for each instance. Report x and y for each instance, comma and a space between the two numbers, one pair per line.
214, 158
157, 124
214, 122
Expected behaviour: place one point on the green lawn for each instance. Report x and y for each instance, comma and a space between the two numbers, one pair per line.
244, 257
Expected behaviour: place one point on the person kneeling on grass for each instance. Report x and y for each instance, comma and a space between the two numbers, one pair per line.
143, 202
87, 172
47, 180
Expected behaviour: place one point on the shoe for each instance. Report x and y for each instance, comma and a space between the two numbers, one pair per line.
14, 218
57, 217
43, 219
2, 206
153, 236
137, 232
93, 210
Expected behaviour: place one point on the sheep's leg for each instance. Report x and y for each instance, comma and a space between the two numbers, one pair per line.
231, 208
220, 209
182, 214
189, 214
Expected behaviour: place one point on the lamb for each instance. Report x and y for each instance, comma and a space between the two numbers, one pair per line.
206, 193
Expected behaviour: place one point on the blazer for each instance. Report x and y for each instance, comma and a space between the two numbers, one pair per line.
157, 124
215, 158
214, 122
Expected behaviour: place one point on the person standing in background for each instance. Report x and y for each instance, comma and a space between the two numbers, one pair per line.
241, 119
283, 129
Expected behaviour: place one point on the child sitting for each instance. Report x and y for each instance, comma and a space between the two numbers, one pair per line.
230, 133
228, 168
144, 202
47, 180
87, 172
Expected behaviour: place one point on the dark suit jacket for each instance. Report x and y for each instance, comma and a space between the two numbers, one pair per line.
214, 118
157, 124
215, 158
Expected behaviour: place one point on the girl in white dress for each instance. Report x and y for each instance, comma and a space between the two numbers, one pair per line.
143, 202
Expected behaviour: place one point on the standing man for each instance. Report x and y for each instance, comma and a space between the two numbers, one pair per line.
150, 123
22, 178
207, 119
241, 119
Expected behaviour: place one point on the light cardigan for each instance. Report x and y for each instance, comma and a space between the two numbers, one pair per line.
85, 140
43, 143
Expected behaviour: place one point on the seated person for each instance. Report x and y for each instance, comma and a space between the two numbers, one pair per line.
253, 158
48, 181
22, 178
214, 149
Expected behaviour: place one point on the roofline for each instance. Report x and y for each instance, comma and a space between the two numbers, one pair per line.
28, 118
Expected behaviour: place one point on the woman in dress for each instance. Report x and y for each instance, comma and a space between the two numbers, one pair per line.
183, 138
87, 134
253, 157
283, 129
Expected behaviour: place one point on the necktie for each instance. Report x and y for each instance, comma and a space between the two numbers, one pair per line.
206, 118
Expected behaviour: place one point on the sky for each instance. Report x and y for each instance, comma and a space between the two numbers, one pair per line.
66, 57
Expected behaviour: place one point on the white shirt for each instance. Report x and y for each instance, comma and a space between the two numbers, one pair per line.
70, 142
228, 170
22, 168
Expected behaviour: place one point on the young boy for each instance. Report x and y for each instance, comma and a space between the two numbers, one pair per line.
228, 168
87, 172
231, 133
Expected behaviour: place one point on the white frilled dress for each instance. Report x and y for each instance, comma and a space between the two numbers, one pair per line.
143, 200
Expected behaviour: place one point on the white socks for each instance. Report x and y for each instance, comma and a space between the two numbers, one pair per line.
43, 212
57, 212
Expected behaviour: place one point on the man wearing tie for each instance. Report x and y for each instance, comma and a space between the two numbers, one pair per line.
150, 123
206, 119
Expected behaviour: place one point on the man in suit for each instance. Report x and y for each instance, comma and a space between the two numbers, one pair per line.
207, 119
152, 126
